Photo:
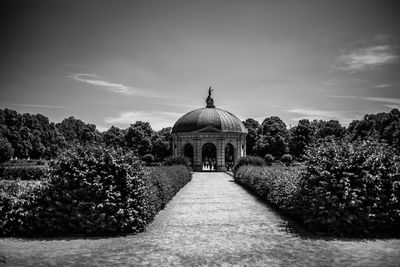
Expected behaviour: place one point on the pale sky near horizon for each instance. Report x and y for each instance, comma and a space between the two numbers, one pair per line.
116, 62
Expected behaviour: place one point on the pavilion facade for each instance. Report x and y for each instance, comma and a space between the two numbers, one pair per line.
211, 138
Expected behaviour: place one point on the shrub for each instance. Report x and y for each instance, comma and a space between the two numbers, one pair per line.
40, 162
248, 160
91, 191
148, 158
351, 189
23, 173
277, 184
177, 160
17, 187
287, 159
163, 183
94, 191
269, 159
17, 206
24, 162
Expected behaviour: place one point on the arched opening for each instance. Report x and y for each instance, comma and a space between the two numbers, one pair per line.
209, 157
229, 156
188, 152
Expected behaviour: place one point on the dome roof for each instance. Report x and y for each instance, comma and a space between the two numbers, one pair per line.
212, 117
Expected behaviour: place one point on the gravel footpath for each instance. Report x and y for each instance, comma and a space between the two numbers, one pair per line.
211, 221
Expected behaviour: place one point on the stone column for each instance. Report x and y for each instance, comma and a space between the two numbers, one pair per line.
174, 138
244, 145
239, 149
220, 155
179, 148
197, 164
174, 147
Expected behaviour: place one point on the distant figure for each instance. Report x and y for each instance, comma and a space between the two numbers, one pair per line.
209, 91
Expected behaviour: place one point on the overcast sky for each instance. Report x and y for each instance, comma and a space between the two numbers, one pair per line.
116, 62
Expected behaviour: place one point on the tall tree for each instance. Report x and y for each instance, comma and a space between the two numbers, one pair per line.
273, 138
34, 136
138, 138
6, 150
54, 141
331, 128
252, 136
161, 143
114, 137
384, 126
76, 131
37, 147
301, 136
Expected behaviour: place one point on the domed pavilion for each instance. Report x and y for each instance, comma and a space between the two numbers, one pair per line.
210, 137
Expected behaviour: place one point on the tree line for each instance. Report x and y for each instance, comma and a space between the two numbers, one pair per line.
274, 138
34, 136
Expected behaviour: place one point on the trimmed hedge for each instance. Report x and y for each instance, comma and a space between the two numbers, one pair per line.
346, 189
163, 184
17, 206
287, 159
24, 162
17, 187
351, 188
248, 160
177, 160
277, 184
148, 159
94, 191
91, 191
269, 159
23, 173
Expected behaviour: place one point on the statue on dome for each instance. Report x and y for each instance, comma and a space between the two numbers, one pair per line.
209, 91
209, 100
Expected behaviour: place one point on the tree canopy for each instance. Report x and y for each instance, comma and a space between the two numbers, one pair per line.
301, 136
33, 136
28, 135
383, 126
272, 139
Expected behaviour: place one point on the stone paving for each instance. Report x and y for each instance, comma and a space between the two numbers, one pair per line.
211, 221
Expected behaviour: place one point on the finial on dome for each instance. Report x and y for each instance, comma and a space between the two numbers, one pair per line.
209, 100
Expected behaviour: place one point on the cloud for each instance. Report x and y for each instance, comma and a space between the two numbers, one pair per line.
157, 119
344, 96
344, 117
367, 58
390, 100
382, 85
393, 106
332, 82
95, 80
315, 113
38, 106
